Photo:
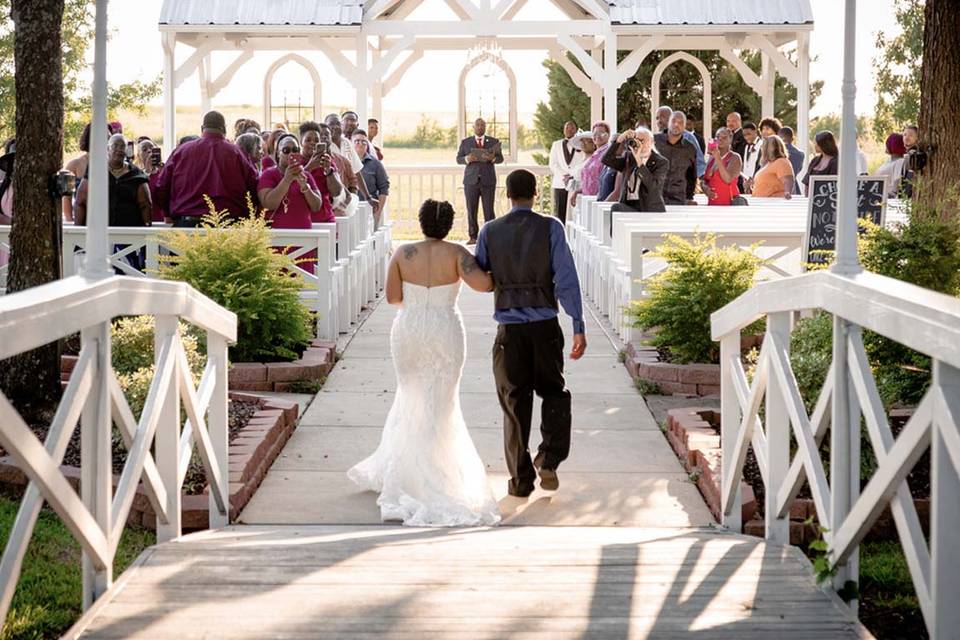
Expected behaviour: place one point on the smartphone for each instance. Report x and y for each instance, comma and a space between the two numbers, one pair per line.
322, 149
155, 155
711, 145
296, 158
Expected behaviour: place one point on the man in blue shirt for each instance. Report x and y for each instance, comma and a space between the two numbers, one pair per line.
796, 156
533, 270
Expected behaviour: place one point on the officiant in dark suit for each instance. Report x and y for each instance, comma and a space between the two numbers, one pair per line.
479, 152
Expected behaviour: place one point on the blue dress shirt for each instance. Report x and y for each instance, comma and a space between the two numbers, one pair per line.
565, 280
701, 161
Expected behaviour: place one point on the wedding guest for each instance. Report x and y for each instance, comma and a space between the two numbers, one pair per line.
252, 146
719, 181
681, 179
825, 162
664, 114
591, 168
148, 159
351, 121
373, 132
775, 178
796, 156
374, 175
245, 125
751, 157
287, 191
644, 172
322, 165
78, 167
770, 127
894, 167
128, 190
270, 149
6, 190
211, 166
340, 146
563, 157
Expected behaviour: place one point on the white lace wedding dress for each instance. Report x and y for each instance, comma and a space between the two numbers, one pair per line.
427, 469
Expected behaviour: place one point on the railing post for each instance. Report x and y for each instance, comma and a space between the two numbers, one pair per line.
167, 439
729, 422
945, 507
217, 426
778, 435
844, 447
96, 465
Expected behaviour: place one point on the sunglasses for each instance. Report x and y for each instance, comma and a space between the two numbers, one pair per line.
287, 150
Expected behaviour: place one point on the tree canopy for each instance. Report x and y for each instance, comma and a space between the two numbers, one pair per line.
681, 87
77, 36
898, 69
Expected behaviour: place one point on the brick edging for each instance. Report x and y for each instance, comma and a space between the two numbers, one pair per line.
317, 362
250, 456
643, 362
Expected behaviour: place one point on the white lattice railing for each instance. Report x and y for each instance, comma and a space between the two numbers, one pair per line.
410, 186
93, 397
922, 320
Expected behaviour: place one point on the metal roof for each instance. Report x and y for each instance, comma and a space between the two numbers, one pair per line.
261, 12
711, 12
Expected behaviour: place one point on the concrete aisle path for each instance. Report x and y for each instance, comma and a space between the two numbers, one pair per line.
621, 471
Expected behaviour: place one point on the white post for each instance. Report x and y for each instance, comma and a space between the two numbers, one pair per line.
768, 79
204, 74
167, 438
803, 94
169, 93
596, 97
777, 422
944, 510
729, 421
610, 80
362, 83
376, 109
217, 426
847, 260
96, 469
96, 264
512, 111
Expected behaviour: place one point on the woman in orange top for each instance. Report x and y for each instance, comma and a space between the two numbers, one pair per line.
775, 178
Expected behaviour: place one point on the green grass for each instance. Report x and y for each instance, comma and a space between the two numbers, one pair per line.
888, 603
48, 597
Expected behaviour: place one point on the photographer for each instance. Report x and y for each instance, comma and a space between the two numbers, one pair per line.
914, 160
643, 171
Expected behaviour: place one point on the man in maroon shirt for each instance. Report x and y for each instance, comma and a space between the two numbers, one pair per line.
212, 166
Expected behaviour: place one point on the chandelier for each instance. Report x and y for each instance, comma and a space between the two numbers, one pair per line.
485, 46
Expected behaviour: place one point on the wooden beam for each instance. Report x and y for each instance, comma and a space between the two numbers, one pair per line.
464, 9
387, 57
632, 62
749, 77
394, 78
224, 78
190, 64
576, 74
590, 66
784, 66
346, 69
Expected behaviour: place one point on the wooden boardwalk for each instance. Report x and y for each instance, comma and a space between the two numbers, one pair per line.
625, 548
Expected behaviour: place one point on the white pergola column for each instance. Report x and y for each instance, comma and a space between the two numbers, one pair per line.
204, 74
847, 260
610, 83
376, 94
803, 93
768, 79
596, 96
363, 81
168, 41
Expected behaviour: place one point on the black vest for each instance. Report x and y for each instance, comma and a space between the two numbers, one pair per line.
518, 250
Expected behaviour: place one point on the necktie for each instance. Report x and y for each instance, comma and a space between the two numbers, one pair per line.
480, 142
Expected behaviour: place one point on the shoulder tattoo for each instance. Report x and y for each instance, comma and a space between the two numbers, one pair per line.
468, 264
409, 251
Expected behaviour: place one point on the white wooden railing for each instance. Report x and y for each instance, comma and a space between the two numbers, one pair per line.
411, 185
351, 260
922, 320
93, 396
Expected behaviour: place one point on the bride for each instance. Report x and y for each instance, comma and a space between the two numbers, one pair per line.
426, 467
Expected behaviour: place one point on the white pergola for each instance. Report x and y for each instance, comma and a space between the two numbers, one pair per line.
373, 43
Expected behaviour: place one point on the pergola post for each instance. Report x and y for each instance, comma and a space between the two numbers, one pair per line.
204, 74
363, 81
610, 80
803, 92
847, 259
376, 97
96, 264
768, 79
596, 97
168, 41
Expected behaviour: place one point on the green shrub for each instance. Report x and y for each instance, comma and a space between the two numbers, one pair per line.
700, 279
811, 353
233, 264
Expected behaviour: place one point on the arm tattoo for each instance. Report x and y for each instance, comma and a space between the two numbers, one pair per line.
468, 264
409, 251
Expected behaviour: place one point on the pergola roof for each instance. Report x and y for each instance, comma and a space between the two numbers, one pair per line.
261, 12
711, 12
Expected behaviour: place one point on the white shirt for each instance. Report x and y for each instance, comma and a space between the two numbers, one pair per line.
347, 151
558, 162
894, 169
751, 155
861, 163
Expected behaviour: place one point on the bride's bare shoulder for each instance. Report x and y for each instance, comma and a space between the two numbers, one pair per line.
409, 251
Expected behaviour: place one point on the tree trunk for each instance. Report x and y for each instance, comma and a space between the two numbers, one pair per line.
939, 97
32, 380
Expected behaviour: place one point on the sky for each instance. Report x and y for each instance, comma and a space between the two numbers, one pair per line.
134, 52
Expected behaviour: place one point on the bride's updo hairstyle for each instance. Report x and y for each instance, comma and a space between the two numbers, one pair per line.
436, 219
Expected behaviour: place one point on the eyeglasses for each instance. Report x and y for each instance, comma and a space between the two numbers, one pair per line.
287, 150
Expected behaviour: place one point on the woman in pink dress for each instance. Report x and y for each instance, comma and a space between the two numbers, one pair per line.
719, 181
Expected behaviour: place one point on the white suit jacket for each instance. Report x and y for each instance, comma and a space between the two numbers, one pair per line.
558, 164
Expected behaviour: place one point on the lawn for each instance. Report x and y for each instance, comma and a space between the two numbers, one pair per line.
888, 604
48, 597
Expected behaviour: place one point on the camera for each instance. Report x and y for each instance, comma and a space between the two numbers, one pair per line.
631, 143
916, 159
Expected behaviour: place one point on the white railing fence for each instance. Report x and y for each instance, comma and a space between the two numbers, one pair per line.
922, 320
411, 185
93, 397
351, 259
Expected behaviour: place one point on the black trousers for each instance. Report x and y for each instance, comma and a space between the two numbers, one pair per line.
528, 358
560, 204
473, 193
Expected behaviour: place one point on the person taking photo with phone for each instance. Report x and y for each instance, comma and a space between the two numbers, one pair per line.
149, 161
321, 164
719, 182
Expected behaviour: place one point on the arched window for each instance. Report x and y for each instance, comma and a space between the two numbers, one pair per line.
469, 108
291, 105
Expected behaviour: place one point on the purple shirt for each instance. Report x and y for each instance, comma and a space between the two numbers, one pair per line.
211, 166
293, 212
590, 173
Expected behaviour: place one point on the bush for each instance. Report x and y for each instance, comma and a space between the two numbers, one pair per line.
700, 279
233, 264
811, 354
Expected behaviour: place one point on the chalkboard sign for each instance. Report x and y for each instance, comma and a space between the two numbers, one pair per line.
821, 231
